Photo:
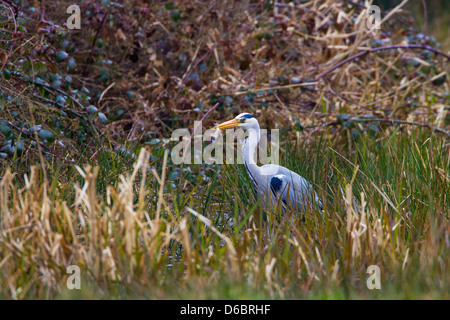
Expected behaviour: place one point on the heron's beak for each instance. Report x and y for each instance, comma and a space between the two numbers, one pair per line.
229, 124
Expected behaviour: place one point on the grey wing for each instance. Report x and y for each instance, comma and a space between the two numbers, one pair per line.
293, 190
304, 192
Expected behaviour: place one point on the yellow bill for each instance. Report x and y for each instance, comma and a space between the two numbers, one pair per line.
229, 124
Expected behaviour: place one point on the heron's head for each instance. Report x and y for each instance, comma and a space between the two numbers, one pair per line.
244, 121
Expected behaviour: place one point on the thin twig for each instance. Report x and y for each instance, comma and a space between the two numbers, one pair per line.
331, 123
333, 92
95, 131
413, 123
32, 138
391, 47
391, 121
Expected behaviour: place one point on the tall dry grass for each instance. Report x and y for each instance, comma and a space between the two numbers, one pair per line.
134, 242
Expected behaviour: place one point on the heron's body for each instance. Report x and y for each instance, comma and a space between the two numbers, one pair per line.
277, 185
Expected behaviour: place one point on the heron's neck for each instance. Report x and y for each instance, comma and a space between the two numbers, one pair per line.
250, 145
248, 153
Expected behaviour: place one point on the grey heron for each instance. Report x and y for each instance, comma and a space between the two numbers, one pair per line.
279, 186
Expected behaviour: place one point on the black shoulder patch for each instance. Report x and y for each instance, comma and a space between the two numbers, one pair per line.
276, 183
247, 116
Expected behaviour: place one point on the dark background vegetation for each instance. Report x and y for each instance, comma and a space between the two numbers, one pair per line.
137, 70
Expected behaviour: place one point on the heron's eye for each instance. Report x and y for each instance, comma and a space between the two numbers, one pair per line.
242, 120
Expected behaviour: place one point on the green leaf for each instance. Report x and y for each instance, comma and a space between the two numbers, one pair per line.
104, 77
439, 81
6, 149
6, 74
46, 135
298, 126
99, 43
42, 68
26, 65
56, 84
64, 44
4, 128
324, 105
343, 117
19, 148
91, 110
36, 128
175, 15
102, 118
202, 67
61, 56
71, 65
60, 100
228, 100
